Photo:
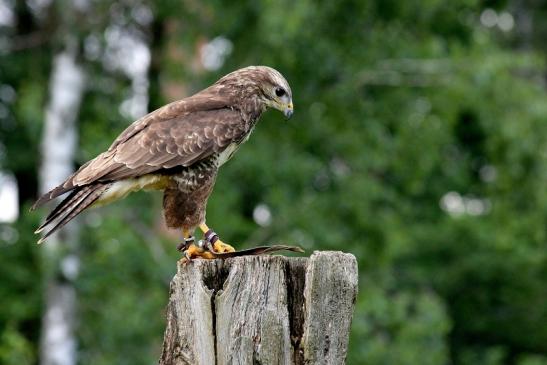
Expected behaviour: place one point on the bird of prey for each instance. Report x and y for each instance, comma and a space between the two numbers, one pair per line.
178, 149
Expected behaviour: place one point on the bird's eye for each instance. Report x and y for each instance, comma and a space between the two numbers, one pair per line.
279, 92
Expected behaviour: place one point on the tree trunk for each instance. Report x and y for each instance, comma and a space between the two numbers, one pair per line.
261, 310
58, 343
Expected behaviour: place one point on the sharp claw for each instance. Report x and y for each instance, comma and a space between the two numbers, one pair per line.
209, 247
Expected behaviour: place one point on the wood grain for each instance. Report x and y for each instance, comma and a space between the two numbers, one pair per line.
261, 310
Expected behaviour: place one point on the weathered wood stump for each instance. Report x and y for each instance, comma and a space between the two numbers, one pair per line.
261, 310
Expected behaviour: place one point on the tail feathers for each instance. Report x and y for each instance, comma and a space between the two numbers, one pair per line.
66, 205
67, 186
54, 193
71, 206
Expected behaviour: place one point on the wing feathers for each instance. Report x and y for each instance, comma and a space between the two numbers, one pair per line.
179, 134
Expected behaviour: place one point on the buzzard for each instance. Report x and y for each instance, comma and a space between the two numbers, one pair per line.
178, 149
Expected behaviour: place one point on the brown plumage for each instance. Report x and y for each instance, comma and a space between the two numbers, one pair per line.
177, 148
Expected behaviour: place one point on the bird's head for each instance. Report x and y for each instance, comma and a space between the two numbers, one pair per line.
263, 83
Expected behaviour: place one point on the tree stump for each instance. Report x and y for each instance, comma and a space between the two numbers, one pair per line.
261, 310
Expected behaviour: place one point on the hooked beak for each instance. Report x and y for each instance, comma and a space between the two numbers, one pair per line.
289, 110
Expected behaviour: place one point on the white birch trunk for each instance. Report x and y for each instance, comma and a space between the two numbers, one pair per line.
58, 343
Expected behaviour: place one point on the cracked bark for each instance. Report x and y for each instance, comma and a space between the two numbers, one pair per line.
261, 310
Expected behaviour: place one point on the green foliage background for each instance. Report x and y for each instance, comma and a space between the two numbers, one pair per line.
397, 103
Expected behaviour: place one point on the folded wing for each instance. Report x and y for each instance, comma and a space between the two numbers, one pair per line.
179, 134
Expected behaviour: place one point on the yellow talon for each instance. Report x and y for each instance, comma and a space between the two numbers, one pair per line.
222, 247
194, 251
218, 245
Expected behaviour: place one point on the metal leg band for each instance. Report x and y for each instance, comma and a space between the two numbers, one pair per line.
211, 237
183, 246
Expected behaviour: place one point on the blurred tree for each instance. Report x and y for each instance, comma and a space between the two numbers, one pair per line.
58, 147
58, 345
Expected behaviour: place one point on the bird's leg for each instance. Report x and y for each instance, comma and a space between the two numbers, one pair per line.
211, 247
188, 238
212, 241
190, 249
